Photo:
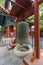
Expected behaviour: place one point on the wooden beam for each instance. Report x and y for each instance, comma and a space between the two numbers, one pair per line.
37, 29
19, 5
30, 11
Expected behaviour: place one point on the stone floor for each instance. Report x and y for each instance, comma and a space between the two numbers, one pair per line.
7, 57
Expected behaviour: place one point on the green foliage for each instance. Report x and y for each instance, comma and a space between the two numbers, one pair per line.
41, 16
41, 22
41, 27
41, 4
31, 18
2, 2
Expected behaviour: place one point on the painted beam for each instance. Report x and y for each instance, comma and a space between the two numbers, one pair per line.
30, 12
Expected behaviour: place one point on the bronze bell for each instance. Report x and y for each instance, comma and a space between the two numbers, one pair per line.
23, 33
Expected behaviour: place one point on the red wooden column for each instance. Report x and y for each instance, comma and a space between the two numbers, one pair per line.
15, 30
37, 29
8, 31
15, 27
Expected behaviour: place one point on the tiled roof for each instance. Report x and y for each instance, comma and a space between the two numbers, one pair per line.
23, 8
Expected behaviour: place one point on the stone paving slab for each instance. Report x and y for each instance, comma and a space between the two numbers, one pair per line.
7, 57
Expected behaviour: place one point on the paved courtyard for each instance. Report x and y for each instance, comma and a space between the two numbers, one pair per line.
7, 57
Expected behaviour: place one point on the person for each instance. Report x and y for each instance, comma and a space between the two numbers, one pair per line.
7, 11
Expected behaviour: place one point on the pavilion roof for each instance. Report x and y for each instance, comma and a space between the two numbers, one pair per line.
23, 8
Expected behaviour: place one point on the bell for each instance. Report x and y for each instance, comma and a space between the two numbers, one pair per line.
23, 33
23, 49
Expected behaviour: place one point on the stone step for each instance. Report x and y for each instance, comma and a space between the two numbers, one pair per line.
27, 60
